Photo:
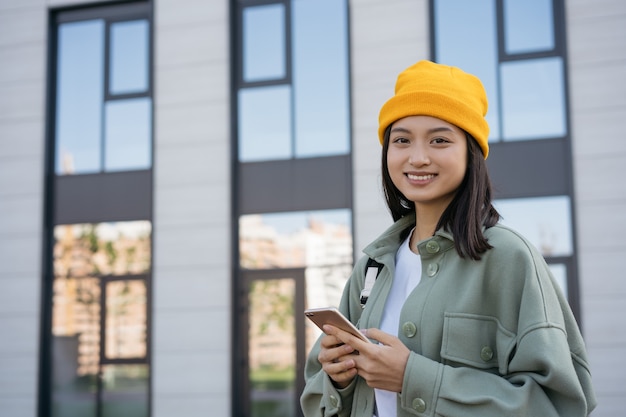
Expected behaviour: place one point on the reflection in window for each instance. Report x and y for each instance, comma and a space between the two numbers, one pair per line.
125, 390
126, 330
264, 43
545, 221
320, 66
85, 257
526, 96
87, 124
121, 248
129, 57
297, 239
310, 117
128, 134
529, 26
80, 75
533, 99
271, 349
265, 123
476, 21
319, 241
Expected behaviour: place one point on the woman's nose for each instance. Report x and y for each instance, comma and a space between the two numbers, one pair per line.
418, 156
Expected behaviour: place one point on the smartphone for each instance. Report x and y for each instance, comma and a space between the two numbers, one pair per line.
332, 316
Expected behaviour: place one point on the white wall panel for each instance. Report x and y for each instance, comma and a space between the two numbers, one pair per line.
387, 36
597, 64
191, 357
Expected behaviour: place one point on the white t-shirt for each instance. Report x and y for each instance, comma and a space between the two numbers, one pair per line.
407, 276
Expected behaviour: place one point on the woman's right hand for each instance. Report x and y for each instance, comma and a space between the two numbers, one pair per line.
336, 359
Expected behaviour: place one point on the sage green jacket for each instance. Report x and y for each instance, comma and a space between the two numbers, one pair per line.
493, 337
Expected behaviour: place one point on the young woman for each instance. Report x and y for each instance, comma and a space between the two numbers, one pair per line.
465, 316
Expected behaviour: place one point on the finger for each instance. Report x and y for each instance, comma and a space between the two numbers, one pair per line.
380, 336
334, 354
344, 337
330, 341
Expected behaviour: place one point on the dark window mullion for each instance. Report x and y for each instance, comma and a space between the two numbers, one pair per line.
105, 93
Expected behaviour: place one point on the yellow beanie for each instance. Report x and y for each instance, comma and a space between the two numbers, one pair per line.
447, 93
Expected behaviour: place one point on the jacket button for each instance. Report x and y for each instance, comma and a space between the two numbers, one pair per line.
419, 405
334, 401
409, 329
486, 354
432, 246
432, 269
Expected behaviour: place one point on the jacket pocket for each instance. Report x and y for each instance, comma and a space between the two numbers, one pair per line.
477, 341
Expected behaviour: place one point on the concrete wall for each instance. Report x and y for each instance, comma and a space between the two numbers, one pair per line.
597, 67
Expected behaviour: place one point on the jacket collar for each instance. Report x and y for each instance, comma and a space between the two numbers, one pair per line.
389, 241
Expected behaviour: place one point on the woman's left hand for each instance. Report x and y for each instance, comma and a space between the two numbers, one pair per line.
381, 365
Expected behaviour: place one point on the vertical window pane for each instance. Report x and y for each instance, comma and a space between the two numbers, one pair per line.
545, 221
272, 348
129, 57
125, 391
75, 338
126, 321
533, 99
79, 97
466, 36
128, 133
528, 26
265, 123
320, 73
264, 43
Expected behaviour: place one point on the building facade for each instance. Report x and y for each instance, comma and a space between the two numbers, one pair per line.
180, 179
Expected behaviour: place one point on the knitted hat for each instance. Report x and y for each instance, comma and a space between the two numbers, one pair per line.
447, 93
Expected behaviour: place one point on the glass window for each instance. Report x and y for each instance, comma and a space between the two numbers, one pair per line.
519, 17
466, 36
86, 256
533, 99
296, 239
320, 78
125, 390
545, 221
264, 43
128, 134
272, 348
129, 57
80, 77
86, 125
125, 318
265, 123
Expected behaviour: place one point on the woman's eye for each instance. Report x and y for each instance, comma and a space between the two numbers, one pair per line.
440, 140
400, 139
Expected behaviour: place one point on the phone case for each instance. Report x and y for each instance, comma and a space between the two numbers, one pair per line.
332, 316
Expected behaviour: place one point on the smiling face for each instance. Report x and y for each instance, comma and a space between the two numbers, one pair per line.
427, 160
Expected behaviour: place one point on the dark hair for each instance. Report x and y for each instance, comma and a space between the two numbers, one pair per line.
469, 211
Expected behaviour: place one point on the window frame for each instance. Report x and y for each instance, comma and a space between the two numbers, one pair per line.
111, 196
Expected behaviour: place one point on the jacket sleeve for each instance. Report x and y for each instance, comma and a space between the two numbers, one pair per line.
320, 398
486, 369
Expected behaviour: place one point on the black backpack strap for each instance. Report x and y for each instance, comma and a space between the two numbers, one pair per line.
372, 269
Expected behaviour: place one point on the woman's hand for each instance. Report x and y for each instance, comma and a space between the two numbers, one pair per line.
337, 358
380, 364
